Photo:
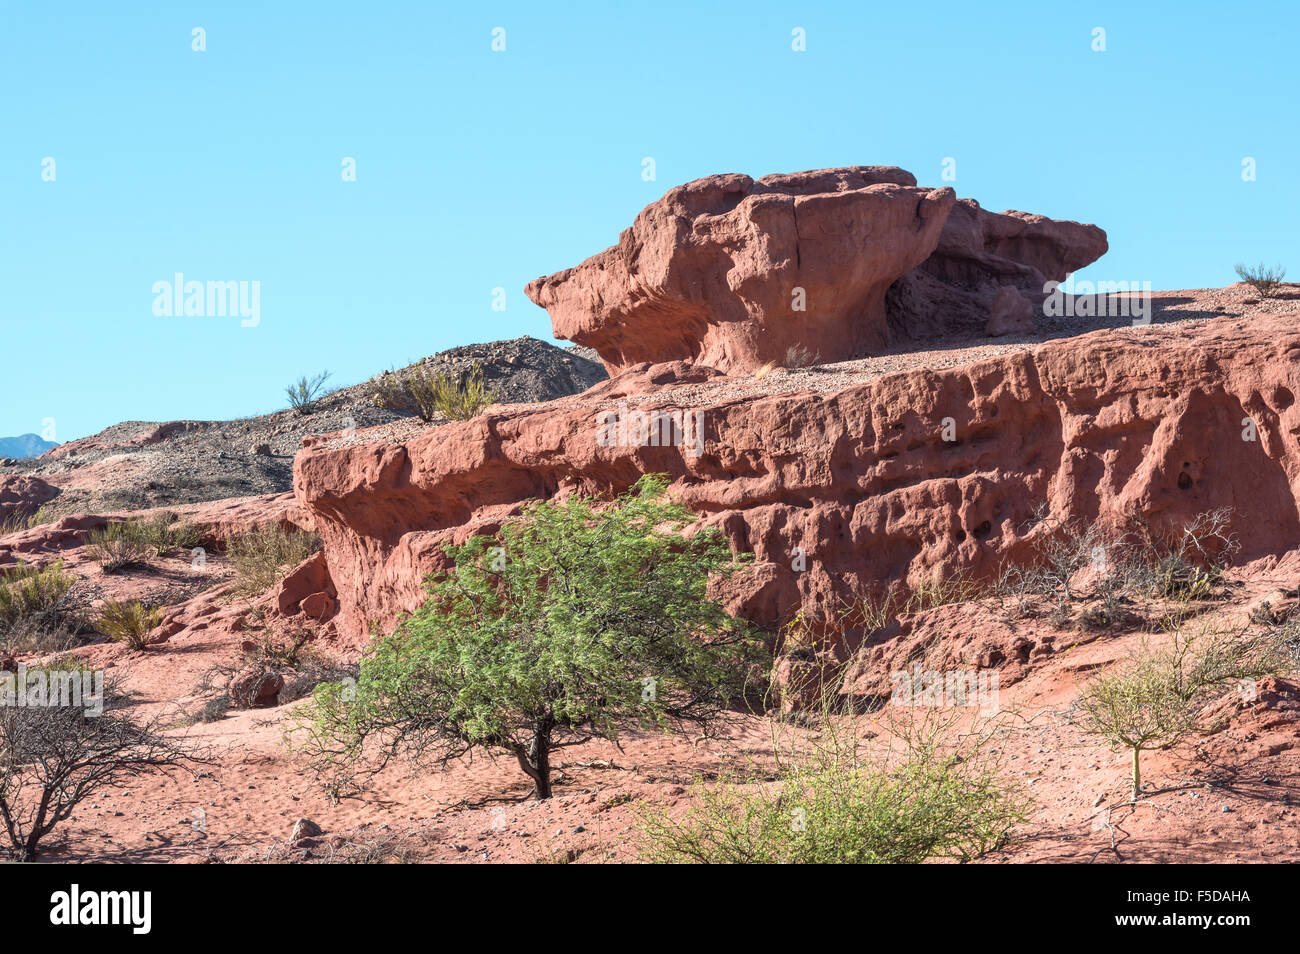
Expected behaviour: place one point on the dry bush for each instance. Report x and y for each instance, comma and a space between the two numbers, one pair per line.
36, 610
875, 613
54, 757
1129, 562
797, 356
304, 392
128, 622
118, 546
1263, 279
262, 557
24, 520
427, 393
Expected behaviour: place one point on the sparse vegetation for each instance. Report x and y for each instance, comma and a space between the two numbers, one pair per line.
1262, 278
832, 801
53, 757
576, 620
23, 520
1154, 700
798, 356
304, 392
1109, 568
427, 393
262, 556
127, 543
34, 608
128, 622
876, 612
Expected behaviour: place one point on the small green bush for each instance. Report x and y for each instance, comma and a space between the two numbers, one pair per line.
128, 622
833, 803
1154, 700
304, 392
428, 394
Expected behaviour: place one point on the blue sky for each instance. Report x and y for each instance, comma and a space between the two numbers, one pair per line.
478, 169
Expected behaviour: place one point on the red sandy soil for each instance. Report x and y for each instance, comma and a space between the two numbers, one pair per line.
249, 799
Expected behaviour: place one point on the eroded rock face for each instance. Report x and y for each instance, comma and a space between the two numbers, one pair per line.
733, 272
980, 255
860, 481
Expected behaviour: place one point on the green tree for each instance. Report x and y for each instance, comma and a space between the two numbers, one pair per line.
574, 620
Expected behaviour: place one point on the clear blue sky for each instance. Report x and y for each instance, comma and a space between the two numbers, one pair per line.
478, 169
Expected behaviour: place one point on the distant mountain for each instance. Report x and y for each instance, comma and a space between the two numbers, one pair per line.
28, 445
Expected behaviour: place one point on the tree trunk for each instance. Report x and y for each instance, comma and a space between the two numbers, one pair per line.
1137, 775
536, 761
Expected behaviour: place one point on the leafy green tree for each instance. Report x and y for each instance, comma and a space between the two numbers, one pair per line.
575, 620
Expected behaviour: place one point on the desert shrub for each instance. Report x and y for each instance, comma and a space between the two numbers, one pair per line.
427, 393
35, 609
304, 392
1186, 563
214, 710
797, 356
262, 556
575, 620
127, 543
55, 756
1131, 559
120, 545
1263, 279
832, 802
167, 533
1154, 700
128, 622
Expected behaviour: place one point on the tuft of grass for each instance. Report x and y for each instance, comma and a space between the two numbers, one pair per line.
128, 622
121, 545
23, 520
34, 614
304, 392
1263, 279
428, 394
261, 557
797, 356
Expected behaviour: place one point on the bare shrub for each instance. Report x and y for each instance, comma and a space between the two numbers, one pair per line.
797, 356
1263, 279
54, 757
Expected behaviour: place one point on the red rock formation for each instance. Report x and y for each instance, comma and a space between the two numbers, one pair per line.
862, 481
732, 272
23, 494
981, 253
